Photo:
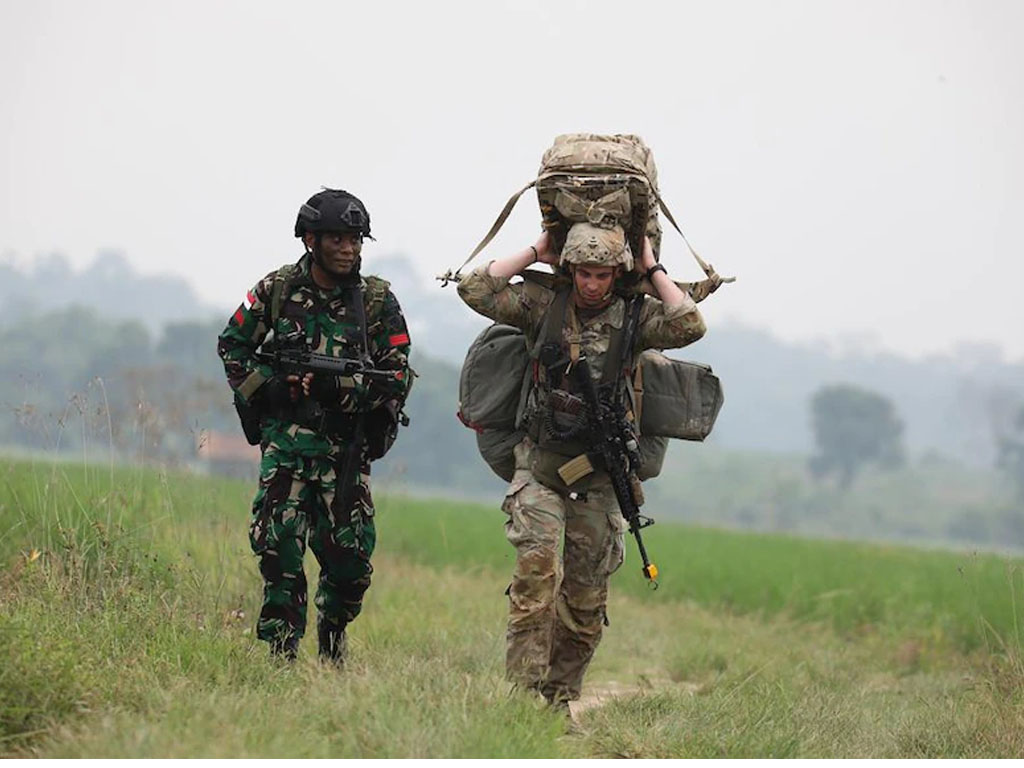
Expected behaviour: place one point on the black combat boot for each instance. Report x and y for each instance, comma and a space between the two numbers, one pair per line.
286, 648
333, 643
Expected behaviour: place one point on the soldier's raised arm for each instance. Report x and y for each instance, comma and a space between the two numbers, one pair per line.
672, 320
488, 291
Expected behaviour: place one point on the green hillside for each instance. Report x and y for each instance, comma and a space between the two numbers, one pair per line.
127, 599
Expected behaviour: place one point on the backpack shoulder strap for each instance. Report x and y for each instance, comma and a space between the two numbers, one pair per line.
375, 295
552, 323
282, 279
620, 353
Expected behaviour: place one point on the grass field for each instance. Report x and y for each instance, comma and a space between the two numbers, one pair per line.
128, 596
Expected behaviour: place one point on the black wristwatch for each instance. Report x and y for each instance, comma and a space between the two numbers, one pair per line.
656, 268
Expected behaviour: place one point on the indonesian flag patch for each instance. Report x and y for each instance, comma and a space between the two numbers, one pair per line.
246, 305
398, 339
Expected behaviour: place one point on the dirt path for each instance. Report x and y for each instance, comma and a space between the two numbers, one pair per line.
599, 695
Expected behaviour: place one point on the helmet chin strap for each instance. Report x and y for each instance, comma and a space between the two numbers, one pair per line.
599, 302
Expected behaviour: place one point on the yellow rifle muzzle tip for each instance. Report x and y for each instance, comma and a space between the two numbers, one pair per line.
651, 571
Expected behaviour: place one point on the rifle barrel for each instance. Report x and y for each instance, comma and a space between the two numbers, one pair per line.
311, 362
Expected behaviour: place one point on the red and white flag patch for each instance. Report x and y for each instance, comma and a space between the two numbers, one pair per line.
240, 313
398, 339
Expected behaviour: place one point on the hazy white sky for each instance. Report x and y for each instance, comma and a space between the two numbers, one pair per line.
858, 165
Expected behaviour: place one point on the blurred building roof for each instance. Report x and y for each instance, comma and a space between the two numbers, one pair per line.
224, 446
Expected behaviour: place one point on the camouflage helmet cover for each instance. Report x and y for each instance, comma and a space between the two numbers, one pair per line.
596, 246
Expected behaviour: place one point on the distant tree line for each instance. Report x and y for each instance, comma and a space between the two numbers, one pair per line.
71, 376
1011, 452
854, 427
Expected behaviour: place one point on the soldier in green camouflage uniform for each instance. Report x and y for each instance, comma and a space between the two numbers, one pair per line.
557, 600
307, 423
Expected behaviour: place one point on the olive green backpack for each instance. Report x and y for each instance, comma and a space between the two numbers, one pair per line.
673, 399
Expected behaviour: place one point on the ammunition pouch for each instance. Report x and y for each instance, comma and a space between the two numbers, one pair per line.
677, 399
249, 416
547, 463
307, 413
564, 417
381, 429
337, 424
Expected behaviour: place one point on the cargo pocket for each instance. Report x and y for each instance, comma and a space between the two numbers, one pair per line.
616, 547
519, 481
273, 492
508, 504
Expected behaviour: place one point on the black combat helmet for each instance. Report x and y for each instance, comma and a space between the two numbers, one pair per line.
333, 210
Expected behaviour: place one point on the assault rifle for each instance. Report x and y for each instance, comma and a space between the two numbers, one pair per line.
620, 455
301, 362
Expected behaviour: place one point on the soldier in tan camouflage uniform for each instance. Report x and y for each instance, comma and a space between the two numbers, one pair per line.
557, 599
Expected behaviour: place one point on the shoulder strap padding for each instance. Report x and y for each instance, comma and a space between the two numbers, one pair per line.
551, 332
552, 324
282, 278
375, 296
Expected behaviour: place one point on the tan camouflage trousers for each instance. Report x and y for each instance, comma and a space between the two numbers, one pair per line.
566, 550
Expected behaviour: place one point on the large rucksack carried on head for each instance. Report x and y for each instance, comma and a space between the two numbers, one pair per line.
601, 179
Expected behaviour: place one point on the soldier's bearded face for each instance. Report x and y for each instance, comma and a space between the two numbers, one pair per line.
338, 252
593, 285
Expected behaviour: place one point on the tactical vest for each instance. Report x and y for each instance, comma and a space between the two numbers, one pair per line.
669, 398
551, 413
503, 392
382, 423
374, 295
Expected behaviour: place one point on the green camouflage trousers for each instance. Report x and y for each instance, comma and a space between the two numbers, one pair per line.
557, 601
297, 501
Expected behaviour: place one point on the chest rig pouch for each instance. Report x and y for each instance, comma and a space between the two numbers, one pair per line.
377, 428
